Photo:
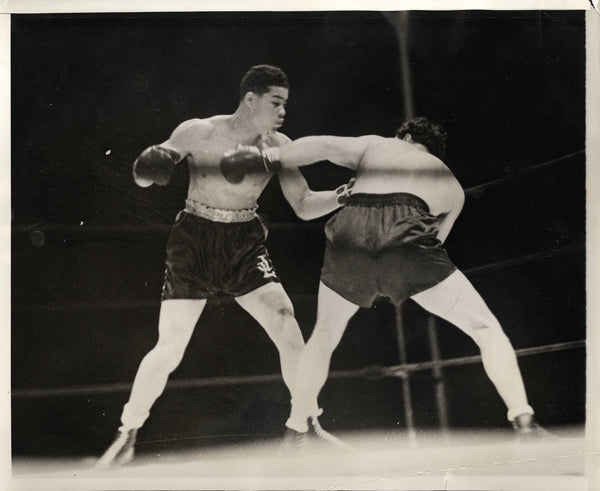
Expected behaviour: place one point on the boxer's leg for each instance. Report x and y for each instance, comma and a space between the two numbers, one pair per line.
175, 327
273, 310
456, 300
333, 314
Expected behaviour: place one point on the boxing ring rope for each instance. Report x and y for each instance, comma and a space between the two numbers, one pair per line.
437, 364
402, 370
118, 231
475, 190
371, 372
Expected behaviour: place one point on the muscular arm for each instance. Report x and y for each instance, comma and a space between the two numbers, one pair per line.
156, 163
307, 204
343, 151
450, 218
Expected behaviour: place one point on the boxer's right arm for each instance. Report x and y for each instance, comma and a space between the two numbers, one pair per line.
156, 164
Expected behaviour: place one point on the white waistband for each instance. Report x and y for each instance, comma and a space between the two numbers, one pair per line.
217, 214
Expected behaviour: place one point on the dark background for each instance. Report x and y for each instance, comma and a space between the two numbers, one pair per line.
89, 92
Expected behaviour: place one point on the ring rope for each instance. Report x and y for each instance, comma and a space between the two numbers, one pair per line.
160, 228
402, 371
138, 304
481, 187
373, 372
526, 258
367, 372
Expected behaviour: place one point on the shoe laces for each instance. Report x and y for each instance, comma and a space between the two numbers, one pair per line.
325, 435
124, 440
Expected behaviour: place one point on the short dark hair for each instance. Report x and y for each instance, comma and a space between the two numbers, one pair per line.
260, 77
427, 133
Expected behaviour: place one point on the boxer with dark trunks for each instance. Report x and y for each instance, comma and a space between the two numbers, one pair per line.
375, 234
216, 251
388, 242
217, 244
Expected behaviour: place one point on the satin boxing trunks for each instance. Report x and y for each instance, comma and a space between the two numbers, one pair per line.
213, 251
383, 245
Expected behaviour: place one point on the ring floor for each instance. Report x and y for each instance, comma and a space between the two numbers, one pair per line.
379, 460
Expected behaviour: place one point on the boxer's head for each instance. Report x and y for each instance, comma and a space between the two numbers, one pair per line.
260, 78
264, 91
425, 132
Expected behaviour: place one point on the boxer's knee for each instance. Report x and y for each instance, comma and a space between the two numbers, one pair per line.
168, 352
290, 337
326, 336
489, 336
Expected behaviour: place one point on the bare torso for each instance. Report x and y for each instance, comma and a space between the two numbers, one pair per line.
391, 165
204, 141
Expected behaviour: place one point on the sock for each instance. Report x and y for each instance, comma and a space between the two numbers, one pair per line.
131, 420
513, 412
300, 423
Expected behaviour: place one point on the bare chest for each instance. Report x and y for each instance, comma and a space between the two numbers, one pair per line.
207, 183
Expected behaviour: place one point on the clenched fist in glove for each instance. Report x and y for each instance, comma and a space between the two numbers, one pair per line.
155, 165
235, 164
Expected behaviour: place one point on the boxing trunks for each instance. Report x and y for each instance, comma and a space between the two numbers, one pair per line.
212, 251
383, 245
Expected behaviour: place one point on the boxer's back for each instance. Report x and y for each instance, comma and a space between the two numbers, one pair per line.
391, 165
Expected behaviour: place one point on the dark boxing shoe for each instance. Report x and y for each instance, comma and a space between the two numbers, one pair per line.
121, 450
296, 441
293, 442
318, 435
527, 428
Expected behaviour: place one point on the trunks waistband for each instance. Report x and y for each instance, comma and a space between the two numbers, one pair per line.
217, 214
364, 199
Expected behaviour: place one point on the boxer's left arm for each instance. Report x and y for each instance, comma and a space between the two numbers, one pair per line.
343, 151
340, 150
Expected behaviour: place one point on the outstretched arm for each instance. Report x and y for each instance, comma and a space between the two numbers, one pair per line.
309, 204
155, 165
340, 150
343, 151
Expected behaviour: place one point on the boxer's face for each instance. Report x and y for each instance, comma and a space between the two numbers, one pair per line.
269, 108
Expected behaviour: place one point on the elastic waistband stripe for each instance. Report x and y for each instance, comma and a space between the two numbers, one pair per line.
218, 214
364, 199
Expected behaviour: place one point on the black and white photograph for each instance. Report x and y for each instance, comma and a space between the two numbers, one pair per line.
316, 247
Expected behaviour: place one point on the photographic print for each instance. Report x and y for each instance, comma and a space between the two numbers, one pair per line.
301, 249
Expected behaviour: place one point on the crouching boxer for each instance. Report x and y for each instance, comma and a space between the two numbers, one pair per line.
388, 242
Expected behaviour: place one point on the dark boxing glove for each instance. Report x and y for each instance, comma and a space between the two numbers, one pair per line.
155, 165
235, 164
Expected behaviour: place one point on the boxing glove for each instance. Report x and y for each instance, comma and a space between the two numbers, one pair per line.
155, 165
235, 164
